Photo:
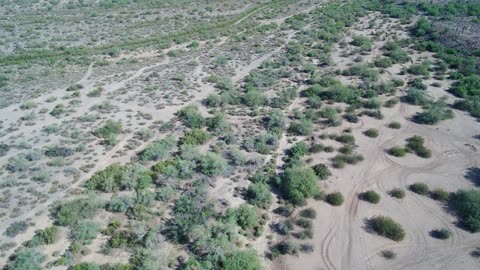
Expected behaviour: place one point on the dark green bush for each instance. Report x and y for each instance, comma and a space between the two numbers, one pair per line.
397, 193
397, 151
3, 149
335, 198
242, 260
116, 177
394, 125
441, 234
28, 259
439, 194
70, 212
370, 196
86, 266
58, 151
43, 237
308, 213
298, 184
372, 132
419, 188
466, 204
195, 136
109, 128
191, 117
415, 144
322, 171
303, 127
387, 227
158, 149
259, 194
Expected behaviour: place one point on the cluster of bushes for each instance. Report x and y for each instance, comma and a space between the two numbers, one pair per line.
322, 171
363, 71
58, 151
117, 177
259, 194
433, 114
16, 228
158, 149
26, 258
195, 136
415, 144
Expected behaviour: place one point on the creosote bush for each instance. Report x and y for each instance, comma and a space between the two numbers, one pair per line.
372, 133
466, 204
387, 227
397, 193
370, 196
335, 198
419, 188
442, 234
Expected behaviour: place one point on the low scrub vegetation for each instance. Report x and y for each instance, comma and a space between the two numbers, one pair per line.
387, 227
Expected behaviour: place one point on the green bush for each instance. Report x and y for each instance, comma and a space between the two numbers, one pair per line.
322, 171
397, 151
466, 204
85, 230
308, 213
303, 127
363, 42
397, 193
439, 194
335, 198
434, 114
242, 260
244, 216
86, 266
387, 227
304, 223
3, 149
191, 117
441, 234
58, 151
415, 144
421, 69
275, 121
157, 149
420, 188
394, 125
259, 194
43, 237
117, 177
370, 196
195, 136
212, 164
109, 128
372, 133
298, 150
262, 143
16, 228
26, 259
58, 110
70, 212
298, 184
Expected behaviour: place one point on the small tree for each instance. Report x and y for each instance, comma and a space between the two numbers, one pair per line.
370, 196
335, 198
387, 227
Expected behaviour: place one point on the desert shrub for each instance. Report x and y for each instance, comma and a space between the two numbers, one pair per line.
372, 103
43, 237
236, 156
388, 254
466, 86
244, 216
466, 205
16, 228
254, 97
335, 198
298, 150
370, 196
212, 164
363, 42
352, 118
304, 223
284, 210
362, 71
28, 259
434, 114
383, 62
387, 227
441, 234
109, 128
158, 149
322, 171
275, 121
195, 136
439, 194
286, 247
242, 260
58, 151
390, 103
70, 212
394, 125
119, 204
308, 213
416, 97
258, 194
284, 227
372, 133
191, 117
85, 230
116, 177
345, 138
3, 149
316, 148
58, 110
298, 183
303, 127
145, 134
419, 188
18, 164
421, 69
471, 105
397, 193
263, 143
397, 151
86, 266
415, 144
